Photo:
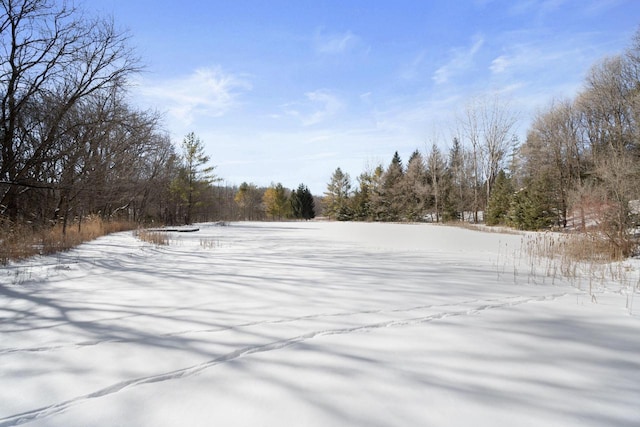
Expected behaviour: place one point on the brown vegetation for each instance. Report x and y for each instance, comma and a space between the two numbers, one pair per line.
20, 241
158, 238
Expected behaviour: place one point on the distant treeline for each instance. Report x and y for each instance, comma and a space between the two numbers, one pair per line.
72, 146
579, 166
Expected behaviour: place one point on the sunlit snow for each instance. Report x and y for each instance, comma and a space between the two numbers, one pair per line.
312, 324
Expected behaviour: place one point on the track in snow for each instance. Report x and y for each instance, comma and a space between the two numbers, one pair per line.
40, 413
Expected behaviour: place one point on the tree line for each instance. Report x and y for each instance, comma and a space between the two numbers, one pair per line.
275, 202
72, 145
578, 168
434, 185
580, 163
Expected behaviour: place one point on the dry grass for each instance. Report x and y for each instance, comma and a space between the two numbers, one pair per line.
572, 248
589, 260
159, 238
480, 227
20, 241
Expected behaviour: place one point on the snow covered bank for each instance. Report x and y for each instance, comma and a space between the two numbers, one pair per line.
310, 324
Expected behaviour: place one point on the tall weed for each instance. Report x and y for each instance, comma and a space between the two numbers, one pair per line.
587, 259
159, 238
22, 240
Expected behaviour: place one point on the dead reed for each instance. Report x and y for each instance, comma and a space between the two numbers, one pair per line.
20, 241
588, 260
158, 238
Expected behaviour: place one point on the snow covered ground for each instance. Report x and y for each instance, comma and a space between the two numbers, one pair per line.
312, 324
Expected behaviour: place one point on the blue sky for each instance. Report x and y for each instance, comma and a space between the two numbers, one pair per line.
286, 91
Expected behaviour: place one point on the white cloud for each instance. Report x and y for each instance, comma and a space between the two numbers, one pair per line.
319, 105
329, 106
461, 60
366, 97
500, 64
544, 58
205, 92
333, 44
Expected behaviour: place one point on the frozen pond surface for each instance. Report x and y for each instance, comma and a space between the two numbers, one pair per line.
311, 324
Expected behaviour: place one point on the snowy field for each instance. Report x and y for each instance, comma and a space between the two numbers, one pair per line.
312, 324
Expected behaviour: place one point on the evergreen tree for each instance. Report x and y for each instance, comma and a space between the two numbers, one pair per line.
500, 201
369, 200
415, 188
302, 203
337, 196
530, 209
361, 201
391, 197
193, 174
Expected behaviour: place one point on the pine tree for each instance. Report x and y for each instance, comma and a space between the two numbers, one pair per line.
364, 197
391, 197
337, 196
302, 203
500, 201
530, 208
416, 189
369, 201
193, 174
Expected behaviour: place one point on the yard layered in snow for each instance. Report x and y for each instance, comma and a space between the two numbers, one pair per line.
312, 324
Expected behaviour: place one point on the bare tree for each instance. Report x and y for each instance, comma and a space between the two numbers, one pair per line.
436, 169
249, 199
609, 107
461, 178
51, 60
471, 132
497, 125
487, 124
554, 149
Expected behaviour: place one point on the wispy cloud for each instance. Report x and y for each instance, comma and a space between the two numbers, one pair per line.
597, 7
329, 104
414, 69
461, 60
500, 64
526, 58
319, 105
337, 43
205, 92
